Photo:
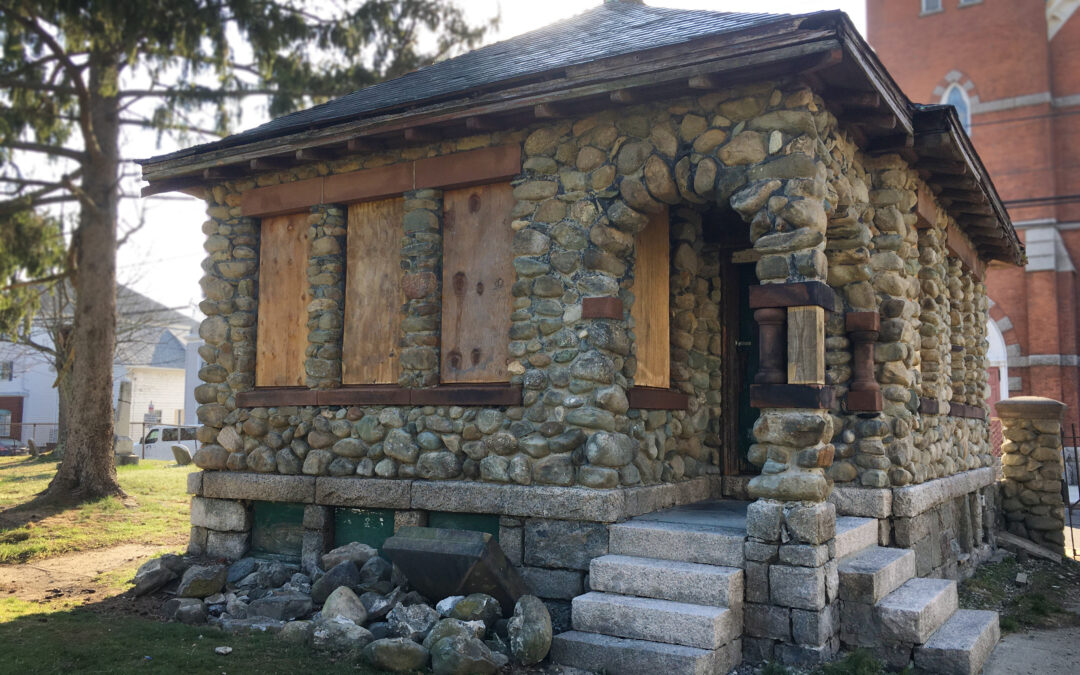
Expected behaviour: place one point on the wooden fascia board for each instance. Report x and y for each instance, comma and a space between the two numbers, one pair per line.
765, 51
460, 169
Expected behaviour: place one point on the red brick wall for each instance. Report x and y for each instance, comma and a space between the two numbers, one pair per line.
1001, 48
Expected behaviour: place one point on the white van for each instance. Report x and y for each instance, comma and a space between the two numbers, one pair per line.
158, 442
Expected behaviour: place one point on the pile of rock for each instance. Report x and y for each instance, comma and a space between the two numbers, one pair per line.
360, 603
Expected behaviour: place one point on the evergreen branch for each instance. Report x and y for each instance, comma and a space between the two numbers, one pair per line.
31, 282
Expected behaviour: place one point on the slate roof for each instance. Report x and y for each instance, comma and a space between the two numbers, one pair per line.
626, 27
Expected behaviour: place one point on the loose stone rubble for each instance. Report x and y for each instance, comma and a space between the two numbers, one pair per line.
368, 615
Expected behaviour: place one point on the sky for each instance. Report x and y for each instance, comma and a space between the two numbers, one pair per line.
162, 259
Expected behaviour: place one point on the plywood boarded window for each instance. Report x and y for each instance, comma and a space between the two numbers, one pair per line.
373, 293
478, 272
283, 300
650, 309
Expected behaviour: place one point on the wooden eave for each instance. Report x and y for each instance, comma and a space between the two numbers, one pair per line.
954, 172
779, 48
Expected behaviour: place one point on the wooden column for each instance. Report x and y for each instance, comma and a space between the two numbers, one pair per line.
864, 394
771, 345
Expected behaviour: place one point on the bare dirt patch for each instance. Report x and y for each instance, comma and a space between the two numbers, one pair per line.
86, 575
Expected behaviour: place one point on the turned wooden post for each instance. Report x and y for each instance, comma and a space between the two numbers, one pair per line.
772, 345
864, 394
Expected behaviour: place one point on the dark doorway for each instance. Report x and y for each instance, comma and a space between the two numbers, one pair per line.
11, 417
726, 230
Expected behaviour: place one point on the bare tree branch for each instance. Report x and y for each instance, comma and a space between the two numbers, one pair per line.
48, 150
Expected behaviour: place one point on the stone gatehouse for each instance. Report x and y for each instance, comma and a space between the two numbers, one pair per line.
644, 285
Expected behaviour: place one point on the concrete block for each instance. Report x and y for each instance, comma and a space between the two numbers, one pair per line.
223, 515
804, 555
674, 623
512, 542
763, 518
757, 582
197, 541
962, 645
871, 574
228, 545
757, 650
759, 552
525, 501
409, 519
767, 621
553, 584
815, 628
604, 653
370, 493
678, 541
914, 611
564, 543
853, 534
862, 502
258, 487
318, 517
801, 587
194, 483
810, 523
667, 580
650, 498
314, 544
804, 655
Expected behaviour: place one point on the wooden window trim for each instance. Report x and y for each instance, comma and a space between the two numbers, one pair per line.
657, 398
384, 395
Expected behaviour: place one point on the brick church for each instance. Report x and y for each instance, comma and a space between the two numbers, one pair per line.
1010, 68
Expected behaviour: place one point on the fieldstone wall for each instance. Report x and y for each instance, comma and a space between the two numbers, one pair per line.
587, 188
1033, 467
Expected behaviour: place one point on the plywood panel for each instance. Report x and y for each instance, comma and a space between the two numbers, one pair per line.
652, 276
806, 345
373, 293
478, 272
283, 300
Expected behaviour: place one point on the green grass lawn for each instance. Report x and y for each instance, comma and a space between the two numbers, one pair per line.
159, 516
86, 641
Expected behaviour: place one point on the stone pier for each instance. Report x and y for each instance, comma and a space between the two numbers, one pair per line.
1033, 466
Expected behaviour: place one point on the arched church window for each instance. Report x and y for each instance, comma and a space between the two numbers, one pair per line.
958, 98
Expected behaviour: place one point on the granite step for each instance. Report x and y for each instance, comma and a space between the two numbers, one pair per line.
914, 611
962, 645
871, 574
676, 623
854, 534
604, 653
683, 542
693, 583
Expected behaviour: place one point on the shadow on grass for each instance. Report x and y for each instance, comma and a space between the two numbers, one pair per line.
93, 639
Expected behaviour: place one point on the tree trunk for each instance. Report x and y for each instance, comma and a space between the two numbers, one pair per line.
88, 470
65, 392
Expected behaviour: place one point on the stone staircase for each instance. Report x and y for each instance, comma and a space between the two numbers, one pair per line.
900, 617
667, 598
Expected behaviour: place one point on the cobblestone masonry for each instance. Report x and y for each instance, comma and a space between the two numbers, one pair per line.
1033, 467
816, 208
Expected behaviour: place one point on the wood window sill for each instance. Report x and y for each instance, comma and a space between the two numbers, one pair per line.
657, 398
383, 394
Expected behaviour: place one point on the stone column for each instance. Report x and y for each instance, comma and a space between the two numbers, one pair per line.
326, 286
791, 612
421, 258
1033, 468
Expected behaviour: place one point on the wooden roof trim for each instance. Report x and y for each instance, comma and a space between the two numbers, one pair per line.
769, 49
460, 169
